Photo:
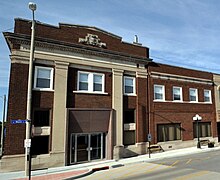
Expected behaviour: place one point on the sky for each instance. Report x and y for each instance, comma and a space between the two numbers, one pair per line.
183, 33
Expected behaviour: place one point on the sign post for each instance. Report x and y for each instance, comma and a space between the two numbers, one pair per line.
149, 137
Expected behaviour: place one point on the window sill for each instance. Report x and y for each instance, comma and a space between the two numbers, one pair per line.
160, 101
93, 93
42, 89
130, 94
185, 102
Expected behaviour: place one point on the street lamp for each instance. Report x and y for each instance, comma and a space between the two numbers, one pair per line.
3, 120
32, 7
197, 118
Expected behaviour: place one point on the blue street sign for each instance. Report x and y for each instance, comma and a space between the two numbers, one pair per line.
18, 121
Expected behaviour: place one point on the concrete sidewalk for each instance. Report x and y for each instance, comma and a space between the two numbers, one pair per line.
81, 170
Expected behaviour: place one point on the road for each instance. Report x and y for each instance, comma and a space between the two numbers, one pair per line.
201, 166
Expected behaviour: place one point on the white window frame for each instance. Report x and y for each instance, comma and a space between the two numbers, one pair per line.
163, 92
91, 82
210, 96
196, 90
36, 75
181, 93
134, 85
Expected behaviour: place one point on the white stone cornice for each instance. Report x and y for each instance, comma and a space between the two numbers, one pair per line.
61, 65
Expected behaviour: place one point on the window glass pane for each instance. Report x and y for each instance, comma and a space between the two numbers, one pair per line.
128, 89
98, 79
83, 86
97, 85
83, 77
43, 83
207, 97
193, 95
128, 82
83, 81
176, 94
44, 73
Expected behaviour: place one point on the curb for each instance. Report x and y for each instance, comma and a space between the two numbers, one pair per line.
88, 173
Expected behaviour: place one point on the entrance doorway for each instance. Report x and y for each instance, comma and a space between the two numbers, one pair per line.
87, 147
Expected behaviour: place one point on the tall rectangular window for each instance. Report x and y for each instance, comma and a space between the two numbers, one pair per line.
207, 96
84, 81
43, 78
193, 95
97, 84
159, 93
129, 85
204, 129
90, 82
168, 132
177, 94
41, 118
129, 127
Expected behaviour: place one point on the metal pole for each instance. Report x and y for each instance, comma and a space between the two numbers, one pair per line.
29, 95
3, 120
198, 132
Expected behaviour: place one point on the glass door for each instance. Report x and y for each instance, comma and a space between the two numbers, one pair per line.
96, 146
82, 147
87, 147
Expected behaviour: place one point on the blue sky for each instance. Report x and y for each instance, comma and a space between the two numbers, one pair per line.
178, 32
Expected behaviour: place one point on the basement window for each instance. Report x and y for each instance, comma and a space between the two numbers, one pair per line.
40, 145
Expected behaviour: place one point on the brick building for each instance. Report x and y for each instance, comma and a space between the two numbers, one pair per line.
96, 97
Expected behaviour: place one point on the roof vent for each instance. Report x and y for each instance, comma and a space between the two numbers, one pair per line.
136, 41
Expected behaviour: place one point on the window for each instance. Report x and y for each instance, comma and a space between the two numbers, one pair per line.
159, 93
129, 85
207, 96
168, 132
193, 95
41, 118
129, 127
129, 138
177, 93
43, 78
40, 145
90, 82
204, 129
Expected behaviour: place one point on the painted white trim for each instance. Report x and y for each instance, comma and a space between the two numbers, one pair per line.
134, 86
163, 92
210, 96
196, 91
181, 94
90, 82
36, 75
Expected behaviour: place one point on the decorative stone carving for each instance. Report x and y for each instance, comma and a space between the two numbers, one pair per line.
93, 40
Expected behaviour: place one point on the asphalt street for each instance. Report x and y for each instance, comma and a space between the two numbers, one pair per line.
205, 165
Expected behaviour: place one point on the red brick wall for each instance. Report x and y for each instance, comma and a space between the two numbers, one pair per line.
142, 118
86, 100
15, 133
181, 112
71, 34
